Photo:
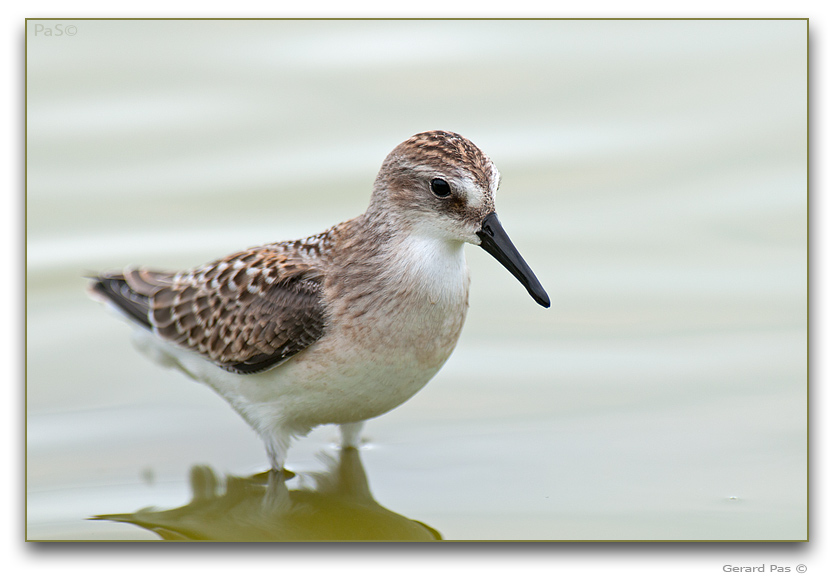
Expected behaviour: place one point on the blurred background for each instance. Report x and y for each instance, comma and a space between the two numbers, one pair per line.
654, 177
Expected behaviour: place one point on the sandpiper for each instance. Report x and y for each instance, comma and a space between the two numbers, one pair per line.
342, 326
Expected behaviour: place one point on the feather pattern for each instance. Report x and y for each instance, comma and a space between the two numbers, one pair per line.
247, 312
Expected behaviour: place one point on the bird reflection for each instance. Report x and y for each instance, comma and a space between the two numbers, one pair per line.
338, 507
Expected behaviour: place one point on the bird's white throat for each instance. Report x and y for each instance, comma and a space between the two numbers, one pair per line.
433, 266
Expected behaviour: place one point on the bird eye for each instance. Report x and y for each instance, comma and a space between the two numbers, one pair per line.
440, 188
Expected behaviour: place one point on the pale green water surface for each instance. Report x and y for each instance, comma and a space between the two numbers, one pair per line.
654, 177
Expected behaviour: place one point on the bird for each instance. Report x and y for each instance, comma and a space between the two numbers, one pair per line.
339, 327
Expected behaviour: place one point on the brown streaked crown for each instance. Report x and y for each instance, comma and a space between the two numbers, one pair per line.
449, 150
410, 166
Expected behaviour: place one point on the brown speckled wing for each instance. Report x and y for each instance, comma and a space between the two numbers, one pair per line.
247, 312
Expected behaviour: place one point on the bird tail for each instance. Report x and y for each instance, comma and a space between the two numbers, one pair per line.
129, 291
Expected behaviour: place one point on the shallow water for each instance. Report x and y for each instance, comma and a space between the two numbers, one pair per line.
654, 177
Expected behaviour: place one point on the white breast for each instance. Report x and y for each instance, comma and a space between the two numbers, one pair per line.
434, 267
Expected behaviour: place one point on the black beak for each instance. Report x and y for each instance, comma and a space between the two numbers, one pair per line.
496, 241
